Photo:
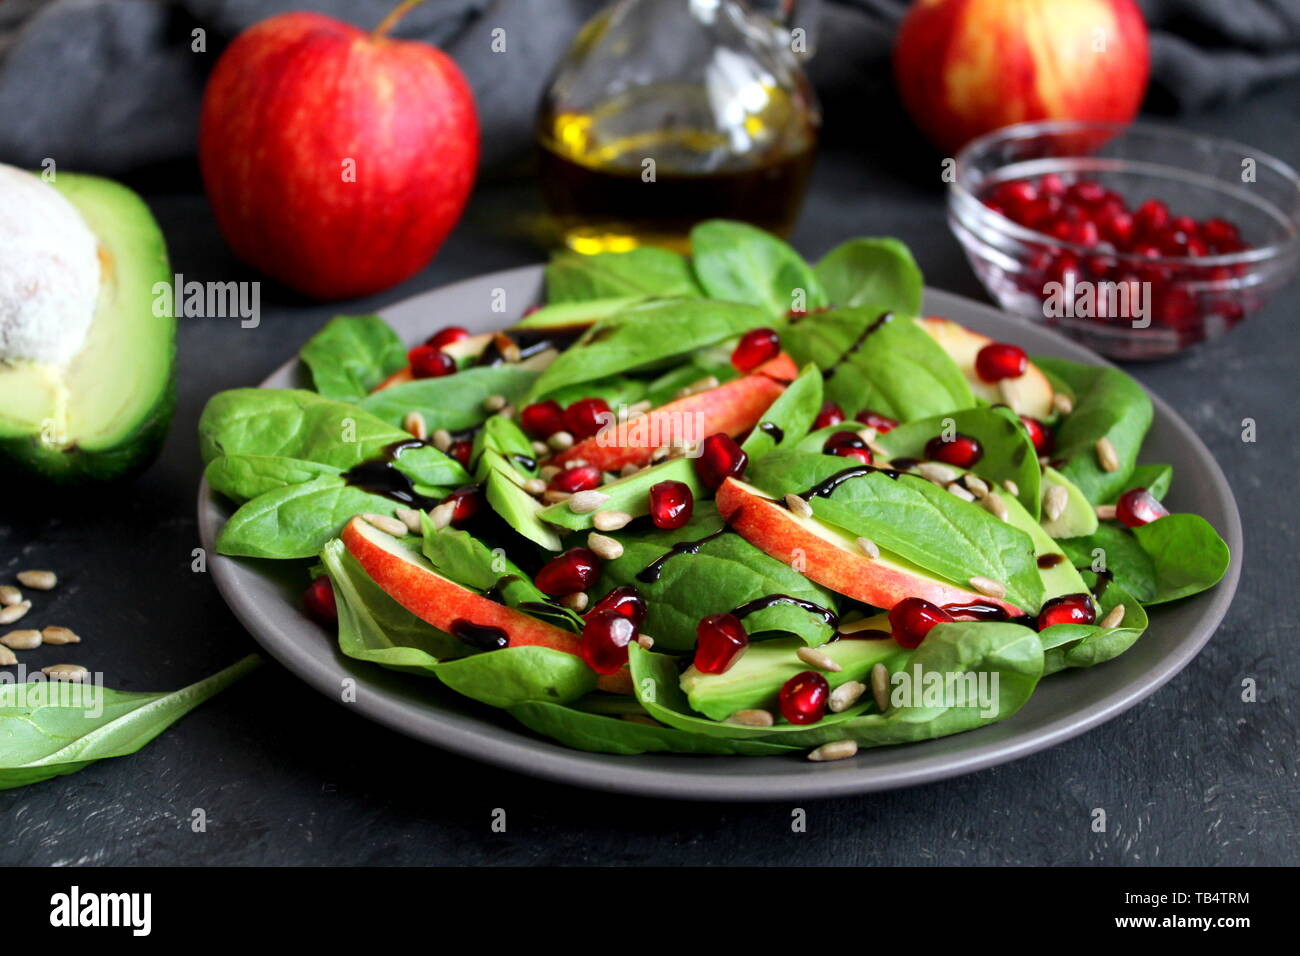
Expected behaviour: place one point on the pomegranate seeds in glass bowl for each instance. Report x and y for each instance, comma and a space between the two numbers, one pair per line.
1140, 241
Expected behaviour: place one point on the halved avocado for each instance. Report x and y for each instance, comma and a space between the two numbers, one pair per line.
105, 413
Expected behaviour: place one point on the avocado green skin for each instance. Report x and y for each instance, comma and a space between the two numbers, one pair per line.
25, 457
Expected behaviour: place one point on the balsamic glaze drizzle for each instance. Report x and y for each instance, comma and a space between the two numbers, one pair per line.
857, 344
771, 600
773, 431
379, 477
651, 572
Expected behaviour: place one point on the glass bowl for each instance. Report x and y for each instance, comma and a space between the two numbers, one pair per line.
1097, 261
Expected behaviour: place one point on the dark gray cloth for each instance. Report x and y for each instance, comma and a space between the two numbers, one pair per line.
111, 85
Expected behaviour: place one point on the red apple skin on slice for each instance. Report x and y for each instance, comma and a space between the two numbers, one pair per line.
831, 558
1031, 394
401, 376
731, 408
440, 601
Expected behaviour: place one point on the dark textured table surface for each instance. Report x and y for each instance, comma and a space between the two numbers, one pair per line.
1193, 775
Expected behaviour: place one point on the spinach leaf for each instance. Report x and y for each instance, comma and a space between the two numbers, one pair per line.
453, 402
427, 466
351, 355
1008, 451
51, 728
726, 572
644, 271
891, 367
792, 415
1154, 478
241, 477
1114, 549
1108, 404
737, 262
616, 390
503, 486
880, 273
583, 312
643, 335
1188, 553
507, 440
599, 733
630, 495
515, 675
292, 423
1083, 645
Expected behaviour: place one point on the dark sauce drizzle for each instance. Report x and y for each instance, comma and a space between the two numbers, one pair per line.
773, 431
483, 636
531, 342
857, 344
1050, 560
650, 573
771, 600
379, 477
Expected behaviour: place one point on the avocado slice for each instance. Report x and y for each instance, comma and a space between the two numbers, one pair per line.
755, 678
1079, 517
103, 413
630, 494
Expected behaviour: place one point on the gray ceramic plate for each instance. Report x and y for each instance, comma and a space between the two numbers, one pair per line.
265, 598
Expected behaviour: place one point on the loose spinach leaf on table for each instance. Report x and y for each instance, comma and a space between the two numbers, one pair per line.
872, 272
1008, 451
644, 271
725, 573
792, 415
1107, 404
453, 402
352, 354
891, 367
241, 477
644, 335
737, 262
50, 728
1170, 558
1084, 645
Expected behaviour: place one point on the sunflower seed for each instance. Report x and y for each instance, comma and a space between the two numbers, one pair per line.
40, 580
14, 611
411, 518
510, 351
645, 640
541, 449
605, 546
703, 385
868, 434
835, 750
22, 640
1044, 461
414, 424
995, 506
1114, 617
494, 403
660, 453
441, 439
752, 718
819, 659
846, 695
1107, 457
628, 470
1104, 513
535, 486
1062, 403
9, 595
869, 548
880, 687
60, 635
798, 506
441, 516
1055, 498
940, 474
576, 602
575, 463
560, 441
988, 586
72, 672
7, 657
976, 485
1012, 487
958, 490
554, 496
507, 411
585, 502
386, 523
610, 520
548, 472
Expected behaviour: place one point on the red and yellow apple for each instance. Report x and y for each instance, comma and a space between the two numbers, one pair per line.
1028, 394
336, 160
965, 67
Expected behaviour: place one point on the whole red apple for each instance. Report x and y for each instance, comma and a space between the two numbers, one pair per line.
336, 160
965, 67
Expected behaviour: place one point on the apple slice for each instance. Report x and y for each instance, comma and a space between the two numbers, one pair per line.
732, 408
411, 582
832, 558
1030, 394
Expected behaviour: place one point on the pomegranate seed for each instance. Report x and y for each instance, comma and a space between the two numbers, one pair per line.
848, 445
1219, 232
318, 601
1064, 269
719, 639
1038, 434
720, 459
582, 478
1118, 228
429, 362
879, 422
542, 419
1184, 224
461, 450
962, 452
625, 600
587, 416
1051, 185
1137, 507
671, 504
468, 499
1085, 233
605, 637
448, 336
573, 571
1087, 192
1196, 246
911, 619
1016, 192
830, 414
1067, 609
803, 698
998, 360
755, 347
1151, 217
